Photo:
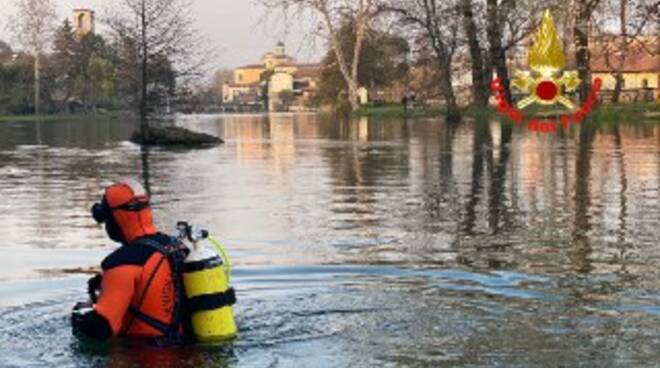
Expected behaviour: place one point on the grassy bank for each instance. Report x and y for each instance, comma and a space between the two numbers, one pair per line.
629, 112
57, 117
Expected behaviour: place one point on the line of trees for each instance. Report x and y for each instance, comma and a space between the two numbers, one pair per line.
152, 49
447, 34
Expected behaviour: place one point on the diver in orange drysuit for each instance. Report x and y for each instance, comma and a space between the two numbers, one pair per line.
140, 294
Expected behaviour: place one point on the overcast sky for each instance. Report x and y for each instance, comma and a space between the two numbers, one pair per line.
236, 28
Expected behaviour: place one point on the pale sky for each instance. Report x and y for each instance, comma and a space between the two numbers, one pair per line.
235, 28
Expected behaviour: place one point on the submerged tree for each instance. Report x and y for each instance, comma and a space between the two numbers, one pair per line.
480, 79
156, 36
34, 30
492, 29
581, 28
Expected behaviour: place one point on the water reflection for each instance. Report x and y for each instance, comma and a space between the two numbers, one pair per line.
480, 195
503, 239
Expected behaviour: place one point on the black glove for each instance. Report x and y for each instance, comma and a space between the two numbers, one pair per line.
85, 322
94, 287
78, 314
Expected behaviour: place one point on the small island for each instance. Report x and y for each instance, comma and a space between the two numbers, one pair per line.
173, 136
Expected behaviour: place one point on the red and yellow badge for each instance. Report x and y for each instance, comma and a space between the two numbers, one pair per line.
546, 83
548, 80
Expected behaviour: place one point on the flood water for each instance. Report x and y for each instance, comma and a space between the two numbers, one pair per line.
365, 243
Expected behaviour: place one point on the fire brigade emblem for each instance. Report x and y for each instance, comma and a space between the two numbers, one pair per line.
547, 81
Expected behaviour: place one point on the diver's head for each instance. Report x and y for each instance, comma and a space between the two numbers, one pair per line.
126, 212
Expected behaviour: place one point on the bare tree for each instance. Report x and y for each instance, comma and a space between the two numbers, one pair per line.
479, 77
581, 31
437, 24
508, 23
332, 13
500, 26
34, 28
634, 18
157, 35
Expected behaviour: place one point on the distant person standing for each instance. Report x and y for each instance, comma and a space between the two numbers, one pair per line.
408, 102
404, 102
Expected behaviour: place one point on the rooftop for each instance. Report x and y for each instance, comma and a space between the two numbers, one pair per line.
641, 56
252, 66
297, 65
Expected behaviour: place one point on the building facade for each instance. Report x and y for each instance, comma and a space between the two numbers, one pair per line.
83, 21
639, 68
277, 83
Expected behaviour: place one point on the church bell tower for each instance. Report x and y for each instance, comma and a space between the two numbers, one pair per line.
83, 21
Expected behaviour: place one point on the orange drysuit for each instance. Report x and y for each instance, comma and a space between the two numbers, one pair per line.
139, 291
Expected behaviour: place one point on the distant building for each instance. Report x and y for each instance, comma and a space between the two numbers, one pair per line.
83, 21
276, 76
640, 72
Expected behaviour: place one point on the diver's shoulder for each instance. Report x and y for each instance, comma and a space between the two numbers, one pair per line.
134, 254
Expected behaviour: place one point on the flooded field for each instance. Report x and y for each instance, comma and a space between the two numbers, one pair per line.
364, 243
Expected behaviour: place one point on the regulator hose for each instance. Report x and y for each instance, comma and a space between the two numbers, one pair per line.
226, 261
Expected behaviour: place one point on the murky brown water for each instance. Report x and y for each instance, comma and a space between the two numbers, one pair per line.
362, 243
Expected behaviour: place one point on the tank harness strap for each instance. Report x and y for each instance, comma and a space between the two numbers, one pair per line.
212, 301
202, 265
158, 325
144, 294
175, 258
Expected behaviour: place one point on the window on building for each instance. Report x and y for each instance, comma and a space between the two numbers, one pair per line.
240, 77
645, 83
81, 19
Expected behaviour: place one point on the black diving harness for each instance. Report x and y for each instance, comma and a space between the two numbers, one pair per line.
175, 253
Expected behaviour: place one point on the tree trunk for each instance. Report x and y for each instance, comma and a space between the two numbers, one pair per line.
453, 113
496, 51
582, 54
85, 90
144, 125
618, 86
444, 60
353, 97
624, 50
350, 76
360, 29
37, 84
479, 83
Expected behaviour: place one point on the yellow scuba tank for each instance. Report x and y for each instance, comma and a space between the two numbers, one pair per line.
206, 276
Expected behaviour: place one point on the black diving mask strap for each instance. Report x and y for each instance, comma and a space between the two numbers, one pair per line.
132, 206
